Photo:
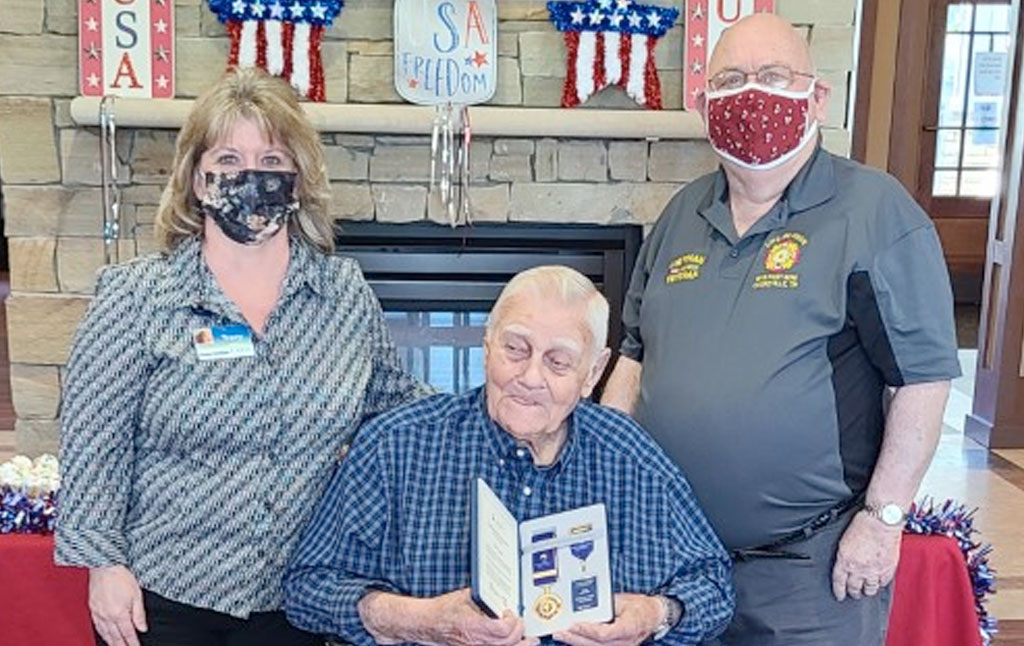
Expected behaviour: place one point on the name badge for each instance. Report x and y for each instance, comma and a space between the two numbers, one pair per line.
217, 342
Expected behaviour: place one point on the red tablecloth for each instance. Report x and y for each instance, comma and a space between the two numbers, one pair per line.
41, 604
45, 605
932, 600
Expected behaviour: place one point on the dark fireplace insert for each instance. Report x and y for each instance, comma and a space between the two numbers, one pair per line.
436, 284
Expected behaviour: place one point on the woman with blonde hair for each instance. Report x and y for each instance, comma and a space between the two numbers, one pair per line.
188, 468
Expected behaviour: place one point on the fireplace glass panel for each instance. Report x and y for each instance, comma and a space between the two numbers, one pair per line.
443, 348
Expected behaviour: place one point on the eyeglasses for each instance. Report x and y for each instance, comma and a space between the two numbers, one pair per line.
780, 77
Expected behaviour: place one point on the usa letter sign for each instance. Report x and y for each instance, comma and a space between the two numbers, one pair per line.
705, 22
126, 48
446, 51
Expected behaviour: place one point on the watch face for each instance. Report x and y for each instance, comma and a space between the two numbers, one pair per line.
891, 514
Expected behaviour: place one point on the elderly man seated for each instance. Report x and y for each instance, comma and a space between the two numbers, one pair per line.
386, 558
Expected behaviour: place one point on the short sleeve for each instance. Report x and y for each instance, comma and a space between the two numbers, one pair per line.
632, 345
902, 305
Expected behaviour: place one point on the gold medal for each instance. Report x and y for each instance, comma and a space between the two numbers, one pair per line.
548, 605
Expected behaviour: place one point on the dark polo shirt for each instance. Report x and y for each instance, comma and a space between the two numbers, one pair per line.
765, 356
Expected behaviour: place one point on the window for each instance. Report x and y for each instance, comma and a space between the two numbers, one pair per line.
974, 67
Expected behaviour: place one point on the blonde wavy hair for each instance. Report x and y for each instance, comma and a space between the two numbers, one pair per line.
272, 104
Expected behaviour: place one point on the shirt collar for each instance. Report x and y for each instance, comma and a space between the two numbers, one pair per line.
188, 281
814, 184
504, 446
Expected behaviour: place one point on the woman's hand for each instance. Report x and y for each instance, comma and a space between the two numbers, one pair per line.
115, 602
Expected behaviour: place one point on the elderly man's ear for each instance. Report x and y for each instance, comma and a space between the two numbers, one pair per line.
596, 371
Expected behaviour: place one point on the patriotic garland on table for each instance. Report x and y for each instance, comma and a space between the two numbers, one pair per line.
611, 42
28, 495
953, 520
280, 36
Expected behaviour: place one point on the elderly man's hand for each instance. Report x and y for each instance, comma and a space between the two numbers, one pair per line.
866, 559
636, 617
457, 621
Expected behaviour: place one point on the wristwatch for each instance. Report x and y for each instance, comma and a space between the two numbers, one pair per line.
673, 612
889, 514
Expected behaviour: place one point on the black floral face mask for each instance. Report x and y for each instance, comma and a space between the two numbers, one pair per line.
250, 206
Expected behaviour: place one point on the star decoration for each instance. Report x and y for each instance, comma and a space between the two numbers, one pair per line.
91, 24
698, 12
276, 11
616, 19
92, 51
297, 10
258, 8
238, 6
480, 59
698, 68
413, 83
634, 19
623, 4
596, 17
161, 54
695, 92
654, 18
162, 81
577, 16
93, 80
605, 4
161, 26
698, 40
319, 11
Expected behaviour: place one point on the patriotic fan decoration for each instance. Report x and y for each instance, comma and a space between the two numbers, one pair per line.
611, 42
281, 36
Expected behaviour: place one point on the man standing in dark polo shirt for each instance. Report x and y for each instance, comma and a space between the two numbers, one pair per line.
769, 308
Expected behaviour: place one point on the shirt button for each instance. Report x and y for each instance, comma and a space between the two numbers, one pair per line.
734, 253
501, 461
520, 452
527, 491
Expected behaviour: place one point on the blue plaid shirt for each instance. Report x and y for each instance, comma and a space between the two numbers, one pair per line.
396, 514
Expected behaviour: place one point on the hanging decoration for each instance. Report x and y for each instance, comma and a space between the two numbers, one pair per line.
704, 26
126, 48
611, 42
280, 36
446, 56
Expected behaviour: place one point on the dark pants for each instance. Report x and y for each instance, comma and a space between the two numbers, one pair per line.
783, 602
178, 624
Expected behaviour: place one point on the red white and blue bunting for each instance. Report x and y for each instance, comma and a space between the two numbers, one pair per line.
955, 521
280, 36
611, 42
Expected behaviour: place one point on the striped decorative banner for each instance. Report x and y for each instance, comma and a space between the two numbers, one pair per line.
282, 37
126, 48
611, 42
704, 26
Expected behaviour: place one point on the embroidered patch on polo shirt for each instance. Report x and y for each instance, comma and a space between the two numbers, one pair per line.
685, 267
781, 258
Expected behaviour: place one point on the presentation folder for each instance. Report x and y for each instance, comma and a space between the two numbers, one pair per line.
552, 571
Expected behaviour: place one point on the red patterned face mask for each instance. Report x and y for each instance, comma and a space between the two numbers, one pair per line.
757, 127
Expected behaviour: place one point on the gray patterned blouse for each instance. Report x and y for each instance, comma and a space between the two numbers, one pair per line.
199, 475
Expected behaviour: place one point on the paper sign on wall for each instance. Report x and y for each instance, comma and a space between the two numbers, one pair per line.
989, 73
126, 48
446, 51
705, 22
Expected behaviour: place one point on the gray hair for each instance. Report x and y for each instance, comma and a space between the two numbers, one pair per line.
565, 283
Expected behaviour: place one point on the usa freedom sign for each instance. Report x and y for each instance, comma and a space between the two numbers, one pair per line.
126, 48
705, 22
446, 51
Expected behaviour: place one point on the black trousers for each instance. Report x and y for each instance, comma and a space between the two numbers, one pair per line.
178, 624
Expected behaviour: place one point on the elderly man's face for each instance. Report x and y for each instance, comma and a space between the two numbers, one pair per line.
539, 361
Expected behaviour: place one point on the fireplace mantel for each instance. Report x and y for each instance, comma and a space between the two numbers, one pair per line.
488, 121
